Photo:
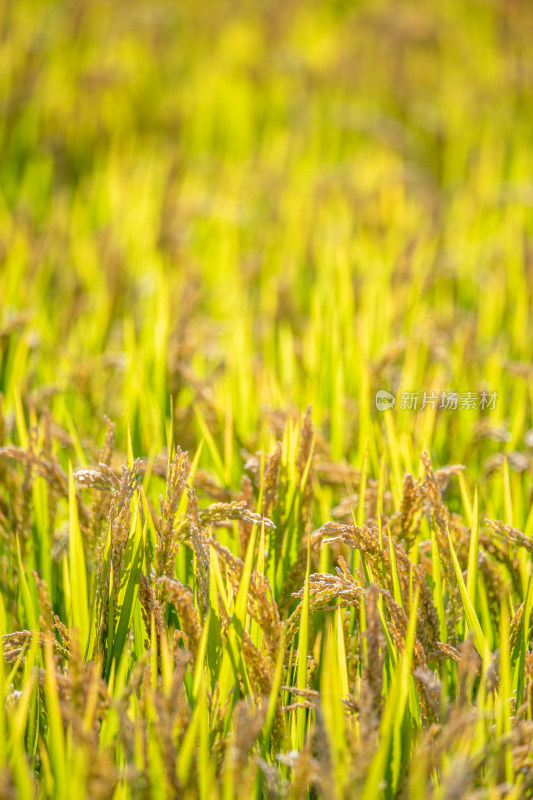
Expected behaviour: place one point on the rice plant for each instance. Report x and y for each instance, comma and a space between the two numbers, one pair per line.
266, 427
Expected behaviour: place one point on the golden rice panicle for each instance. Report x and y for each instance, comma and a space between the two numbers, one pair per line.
46, 618
496, 549
83, 702
116, 534
8, 789
405, 522
101, 502
106, 454
337, 475
27, 487
469, 667
261, 605
166, 545
433, 497
399, 624
120, 519
427, 619
46, 428
4, 509
443, 474
429, 690
201, 551
150, 608
252, 464
306, 441
183, 600
249, 721
245, 528
323, 589
304, 454
76, 672
510, 534
528, 689
37, 463
271, 479
305, 770
206, 485
169, 711
15, 644
2, 422
343, 512
365, 539
296, 574
515, 625
441, 517
324, 777
63, 631
101, 477
218, 513
496, 586
260, 667
373, 661
48, 458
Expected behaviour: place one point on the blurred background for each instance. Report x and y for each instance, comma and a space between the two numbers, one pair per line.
215, 213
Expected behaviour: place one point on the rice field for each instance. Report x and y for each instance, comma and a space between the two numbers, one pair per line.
266, 399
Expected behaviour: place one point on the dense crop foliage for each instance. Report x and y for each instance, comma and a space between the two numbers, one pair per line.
224, 570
